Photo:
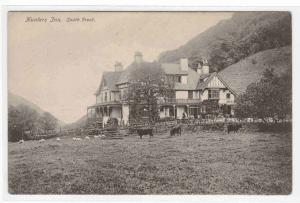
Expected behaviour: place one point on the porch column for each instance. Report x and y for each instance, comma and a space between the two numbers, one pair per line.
97, 112
174, 111
94, 112
188, 109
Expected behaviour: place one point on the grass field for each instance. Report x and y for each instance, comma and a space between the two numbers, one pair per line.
195, 163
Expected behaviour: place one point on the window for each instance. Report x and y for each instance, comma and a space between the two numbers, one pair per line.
213, 94
228, 95
124, 94
190, 94
175, 78
196, 95
104, 83
105, 96
203, 109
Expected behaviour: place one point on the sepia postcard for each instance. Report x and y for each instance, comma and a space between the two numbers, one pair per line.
149, 103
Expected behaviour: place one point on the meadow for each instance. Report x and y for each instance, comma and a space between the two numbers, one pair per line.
194, 163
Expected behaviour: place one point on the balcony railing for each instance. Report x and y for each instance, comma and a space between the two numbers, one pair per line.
179, 101
107, 102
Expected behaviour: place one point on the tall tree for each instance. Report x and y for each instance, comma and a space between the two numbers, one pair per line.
20, 119
271, 97
147, 85
48, 122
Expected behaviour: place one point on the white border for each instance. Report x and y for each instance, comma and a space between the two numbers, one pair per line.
294, 197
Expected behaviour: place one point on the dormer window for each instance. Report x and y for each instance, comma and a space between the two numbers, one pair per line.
175, 78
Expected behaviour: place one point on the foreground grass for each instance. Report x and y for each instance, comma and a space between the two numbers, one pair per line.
195, 163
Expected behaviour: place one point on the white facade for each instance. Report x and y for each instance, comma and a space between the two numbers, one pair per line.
181, 94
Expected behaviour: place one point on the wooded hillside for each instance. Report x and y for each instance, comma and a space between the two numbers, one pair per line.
245, 34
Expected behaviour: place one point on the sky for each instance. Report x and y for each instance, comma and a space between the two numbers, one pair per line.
58, 65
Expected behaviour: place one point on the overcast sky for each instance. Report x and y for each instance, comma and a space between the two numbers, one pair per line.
58, 66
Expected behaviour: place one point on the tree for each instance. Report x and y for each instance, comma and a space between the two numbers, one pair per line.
147, 84
48, 122
20, 119
271, 97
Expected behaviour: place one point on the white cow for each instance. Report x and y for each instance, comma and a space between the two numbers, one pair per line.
21, 141
58, 139
87, 137
76, 138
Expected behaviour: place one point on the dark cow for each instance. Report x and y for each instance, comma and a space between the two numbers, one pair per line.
145, 131
233, 127
175, 130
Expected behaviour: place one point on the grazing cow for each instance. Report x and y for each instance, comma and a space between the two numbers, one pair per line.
233, 127
147, 131
87, 137
21, 141
58, 139
175, 130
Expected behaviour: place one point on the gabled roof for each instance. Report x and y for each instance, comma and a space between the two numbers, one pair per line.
173, 69
194, 80
204, 80
110, 79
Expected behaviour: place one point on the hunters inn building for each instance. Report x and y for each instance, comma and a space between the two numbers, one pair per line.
195, 88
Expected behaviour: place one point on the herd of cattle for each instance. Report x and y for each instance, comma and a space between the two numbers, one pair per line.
177, 130
149, 131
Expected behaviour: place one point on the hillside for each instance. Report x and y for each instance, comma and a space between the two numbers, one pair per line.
250, 69
16, 100
77, 124
231, 40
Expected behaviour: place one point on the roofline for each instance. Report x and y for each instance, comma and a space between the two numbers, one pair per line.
98, 89
226, 85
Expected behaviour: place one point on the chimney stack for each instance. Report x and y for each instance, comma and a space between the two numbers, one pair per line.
202, 67
205, 67
138, 57
118, 66
184, 64
199, 69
